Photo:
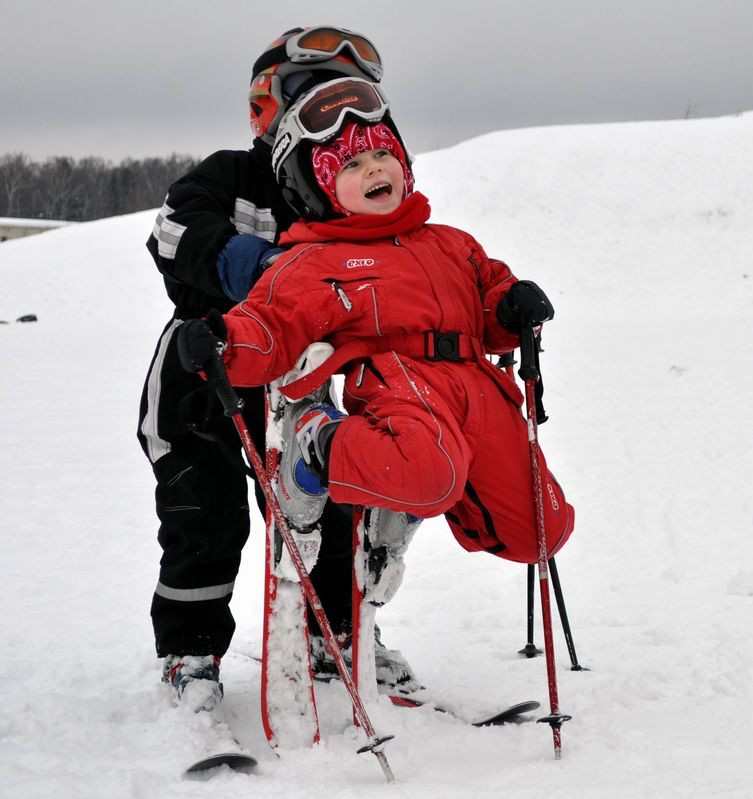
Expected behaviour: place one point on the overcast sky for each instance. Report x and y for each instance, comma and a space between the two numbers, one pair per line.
139, 78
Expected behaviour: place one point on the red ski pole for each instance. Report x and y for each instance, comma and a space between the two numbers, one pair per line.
529, 373
233, 405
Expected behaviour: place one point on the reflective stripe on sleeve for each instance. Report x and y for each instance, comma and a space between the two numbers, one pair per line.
256, 221
167, 233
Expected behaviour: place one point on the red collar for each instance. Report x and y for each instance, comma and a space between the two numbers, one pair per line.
409, 215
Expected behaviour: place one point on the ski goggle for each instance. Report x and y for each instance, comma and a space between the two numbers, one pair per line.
321, 44
319, 115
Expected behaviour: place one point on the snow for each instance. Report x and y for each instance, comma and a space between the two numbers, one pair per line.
642, 235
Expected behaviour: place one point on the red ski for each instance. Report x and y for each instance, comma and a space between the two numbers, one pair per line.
288, 703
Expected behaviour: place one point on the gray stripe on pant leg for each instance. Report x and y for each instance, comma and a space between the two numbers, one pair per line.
194, 594
156, 446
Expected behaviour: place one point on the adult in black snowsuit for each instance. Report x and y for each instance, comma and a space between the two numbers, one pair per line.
216, 232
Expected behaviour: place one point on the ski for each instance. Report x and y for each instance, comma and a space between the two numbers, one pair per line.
380, 540
514, 714
220, 746
234, 760
288, 703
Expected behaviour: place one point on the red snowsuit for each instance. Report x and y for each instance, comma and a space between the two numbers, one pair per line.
423, 436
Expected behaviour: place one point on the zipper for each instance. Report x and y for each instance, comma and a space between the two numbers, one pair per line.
341, 295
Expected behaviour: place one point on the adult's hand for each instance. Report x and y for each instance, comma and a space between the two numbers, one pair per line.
198, 340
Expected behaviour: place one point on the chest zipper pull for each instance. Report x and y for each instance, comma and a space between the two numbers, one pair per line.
342, 296
359, 379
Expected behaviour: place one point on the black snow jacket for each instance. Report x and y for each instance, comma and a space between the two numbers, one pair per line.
230, 192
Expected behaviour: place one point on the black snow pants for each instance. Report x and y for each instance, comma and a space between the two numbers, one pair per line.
202, 506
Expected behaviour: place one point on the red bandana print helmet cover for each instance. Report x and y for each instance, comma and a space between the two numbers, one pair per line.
327, 160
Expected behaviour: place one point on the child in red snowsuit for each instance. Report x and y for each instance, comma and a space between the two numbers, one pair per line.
411, 309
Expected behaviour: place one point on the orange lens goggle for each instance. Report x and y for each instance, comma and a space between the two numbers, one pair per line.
321, 44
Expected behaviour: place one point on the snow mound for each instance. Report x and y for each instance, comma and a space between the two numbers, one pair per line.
642, 235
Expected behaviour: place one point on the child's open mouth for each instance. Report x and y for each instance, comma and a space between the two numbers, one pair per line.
380, 190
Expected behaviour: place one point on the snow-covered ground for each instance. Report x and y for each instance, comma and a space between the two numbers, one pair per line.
642, 234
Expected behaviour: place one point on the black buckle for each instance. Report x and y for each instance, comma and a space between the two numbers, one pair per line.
442, 346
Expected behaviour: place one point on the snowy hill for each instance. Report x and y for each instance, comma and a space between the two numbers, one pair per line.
642, 234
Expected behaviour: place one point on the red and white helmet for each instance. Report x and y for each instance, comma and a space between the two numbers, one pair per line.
299, 60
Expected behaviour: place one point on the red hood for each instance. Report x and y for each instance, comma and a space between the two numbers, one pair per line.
409, 215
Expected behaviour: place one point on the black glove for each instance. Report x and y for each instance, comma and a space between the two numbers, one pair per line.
524, 305
198, 339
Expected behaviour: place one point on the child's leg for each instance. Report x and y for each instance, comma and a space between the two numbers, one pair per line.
405, 451
496, 514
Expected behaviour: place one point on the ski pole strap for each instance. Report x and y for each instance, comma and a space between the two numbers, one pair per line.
217, 376
528, 361
530, 368
431, 345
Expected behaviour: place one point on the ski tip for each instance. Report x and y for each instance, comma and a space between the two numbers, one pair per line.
404, 701
234, 760
513, 714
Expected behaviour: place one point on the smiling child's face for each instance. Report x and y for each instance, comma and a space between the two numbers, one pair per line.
370, 183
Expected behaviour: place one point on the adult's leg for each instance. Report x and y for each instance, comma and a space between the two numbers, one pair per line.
331, 575
202, 504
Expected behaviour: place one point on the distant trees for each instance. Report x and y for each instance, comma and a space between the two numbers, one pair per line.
89, 188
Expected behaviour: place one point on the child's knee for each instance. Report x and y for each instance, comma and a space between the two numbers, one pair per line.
398, 463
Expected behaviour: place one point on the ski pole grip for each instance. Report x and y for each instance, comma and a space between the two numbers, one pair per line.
217, 373
528, 370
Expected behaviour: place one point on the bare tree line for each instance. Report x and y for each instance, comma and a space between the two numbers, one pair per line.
88, 188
